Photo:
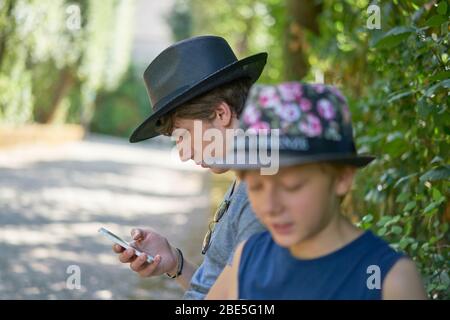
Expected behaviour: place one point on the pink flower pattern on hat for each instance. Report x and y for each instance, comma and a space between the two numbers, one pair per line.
325, 109
312, 120
312, 126
289, 112
319, 87
290, 91
309, 110
305, 104
261, 125
251, 115
269, 97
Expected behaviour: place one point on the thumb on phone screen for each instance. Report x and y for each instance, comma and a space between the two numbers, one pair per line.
137, 234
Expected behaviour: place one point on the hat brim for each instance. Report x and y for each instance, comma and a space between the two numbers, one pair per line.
292, 159
250, 67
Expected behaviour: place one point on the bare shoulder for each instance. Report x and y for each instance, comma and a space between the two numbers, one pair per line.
403, 281
238, 253
226, 285
233, 292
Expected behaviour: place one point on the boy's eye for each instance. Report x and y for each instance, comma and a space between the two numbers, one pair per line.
293, 187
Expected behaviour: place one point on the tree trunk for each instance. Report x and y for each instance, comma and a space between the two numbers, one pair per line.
65, 82
5, 32
302, 15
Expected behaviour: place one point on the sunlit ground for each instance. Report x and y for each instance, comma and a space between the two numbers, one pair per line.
53, 199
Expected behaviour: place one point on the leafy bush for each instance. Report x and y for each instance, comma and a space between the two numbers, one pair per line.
396, 80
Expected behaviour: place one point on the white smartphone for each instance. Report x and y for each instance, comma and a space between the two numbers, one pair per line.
111, 236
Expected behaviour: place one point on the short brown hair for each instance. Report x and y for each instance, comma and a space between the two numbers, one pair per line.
203, 107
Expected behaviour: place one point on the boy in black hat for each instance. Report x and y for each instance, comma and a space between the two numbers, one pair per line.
197, 80
310, 250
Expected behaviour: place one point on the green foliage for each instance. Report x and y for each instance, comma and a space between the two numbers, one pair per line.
118, 112
43, 49
250, 26
180, 20
396, 80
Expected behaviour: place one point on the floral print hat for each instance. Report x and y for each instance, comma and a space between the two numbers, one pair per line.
313, 121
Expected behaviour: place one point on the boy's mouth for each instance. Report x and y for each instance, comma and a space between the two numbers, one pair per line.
283, 228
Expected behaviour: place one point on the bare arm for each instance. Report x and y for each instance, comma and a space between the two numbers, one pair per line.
184, 280
403, 282
226, 285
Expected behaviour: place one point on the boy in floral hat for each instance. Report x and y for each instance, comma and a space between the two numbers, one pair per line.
310, 250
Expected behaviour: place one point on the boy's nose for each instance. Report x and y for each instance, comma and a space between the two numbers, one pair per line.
272, 204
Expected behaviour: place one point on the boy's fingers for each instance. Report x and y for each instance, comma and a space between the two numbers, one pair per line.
127, 256
150, 268
117, 248
139, 263
134, 244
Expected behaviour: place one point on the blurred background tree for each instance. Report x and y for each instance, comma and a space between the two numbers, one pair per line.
55, 56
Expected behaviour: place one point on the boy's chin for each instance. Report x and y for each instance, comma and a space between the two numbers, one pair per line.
286, 241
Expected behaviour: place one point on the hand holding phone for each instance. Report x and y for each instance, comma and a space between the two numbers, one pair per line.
114, 238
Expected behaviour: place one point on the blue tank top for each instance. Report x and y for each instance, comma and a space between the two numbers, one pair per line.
355, 271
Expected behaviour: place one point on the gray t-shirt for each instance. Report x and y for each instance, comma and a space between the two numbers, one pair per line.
237, 224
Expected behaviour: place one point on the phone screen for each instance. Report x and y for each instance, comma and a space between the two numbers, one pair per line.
111, 236
114, 238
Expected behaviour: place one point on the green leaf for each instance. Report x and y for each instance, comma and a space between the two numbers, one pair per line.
402, 197
384, 220
382, 231
440, 76
432, 206
396, 230
436, 195
393, 37
367, 218
439, 173
424, 108
430, 91
442, 7
436, 159
410, 205
400, 95
404, 243
435, 21
394, 136
404, 179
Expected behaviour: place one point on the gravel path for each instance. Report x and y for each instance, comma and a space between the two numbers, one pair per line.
53, 199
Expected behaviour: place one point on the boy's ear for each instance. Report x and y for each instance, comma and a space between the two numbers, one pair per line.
344, 180
224, 115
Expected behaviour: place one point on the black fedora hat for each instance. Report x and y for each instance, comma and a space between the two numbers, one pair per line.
188, 69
